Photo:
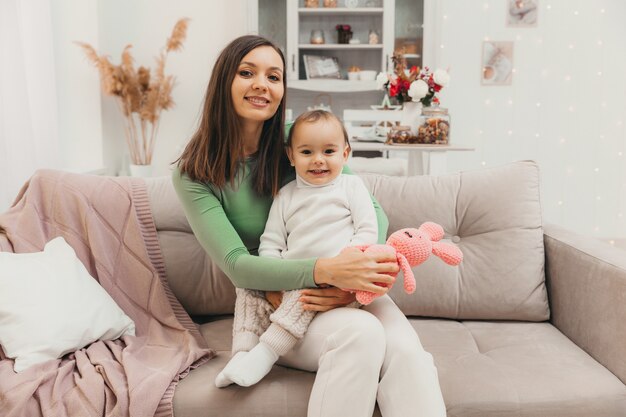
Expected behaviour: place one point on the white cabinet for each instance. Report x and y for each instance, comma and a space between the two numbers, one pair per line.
302, 21
290, 25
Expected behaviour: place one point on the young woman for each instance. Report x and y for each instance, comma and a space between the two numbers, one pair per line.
226, 177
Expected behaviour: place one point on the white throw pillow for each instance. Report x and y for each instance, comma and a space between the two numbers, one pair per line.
50, 306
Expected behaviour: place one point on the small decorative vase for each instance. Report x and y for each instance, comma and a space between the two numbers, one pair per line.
140, 171
411, 112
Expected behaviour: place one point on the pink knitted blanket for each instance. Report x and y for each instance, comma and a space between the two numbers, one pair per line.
109, 224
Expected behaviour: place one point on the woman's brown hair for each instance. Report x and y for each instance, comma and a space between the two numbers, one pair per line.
216, 148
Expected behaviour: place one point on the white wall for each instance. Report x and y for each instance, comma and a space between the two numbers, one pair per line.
581, 151
146, 24
78, 89
566, 108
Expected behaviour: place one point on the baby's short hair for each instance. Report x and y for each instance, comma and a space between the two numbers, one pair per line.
313, 116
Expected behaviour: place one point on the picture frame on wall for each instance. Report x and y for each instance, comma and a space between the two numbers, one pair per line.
317, 66
497, 63
522, 13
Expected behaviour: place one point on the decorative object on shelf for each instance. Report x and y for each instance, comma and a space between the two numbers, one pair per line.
322, 101
412, 84
140, 96
140, 171
383, 128
522, 13
411, 113
353, 73
497, 63
400, 134
367, 75
355, 41
344, 33
352, 3
316, 66
373, 38
330, 3
386, 104
311, 3
317, 37
434, 127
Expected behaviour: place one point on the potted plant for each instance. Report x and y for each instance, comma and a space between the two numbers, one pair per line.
141, 94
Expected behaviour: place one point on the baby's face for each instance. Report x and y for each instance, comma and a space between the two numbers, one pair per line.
318, 151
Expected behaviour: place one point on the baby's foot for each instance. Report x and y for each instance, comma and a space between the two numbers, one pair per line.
252, 367
222, 380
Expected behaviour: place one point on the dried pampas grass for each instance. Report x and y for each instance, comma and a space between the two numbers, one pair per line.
140, 94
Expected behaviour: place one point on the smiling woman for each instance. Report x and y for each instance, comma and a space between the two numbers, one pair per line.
253, 67
226, 179
257, 91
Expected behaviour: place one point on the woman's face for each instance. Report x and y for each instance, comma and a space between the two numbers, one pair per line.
257, 89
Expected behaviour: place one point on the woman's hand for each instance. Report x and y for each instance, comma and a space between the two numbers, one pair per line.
274, 298
355, 270
324, 299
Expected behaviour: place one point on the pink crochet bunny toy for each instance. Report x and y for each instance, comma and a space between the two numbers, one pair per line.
411, 248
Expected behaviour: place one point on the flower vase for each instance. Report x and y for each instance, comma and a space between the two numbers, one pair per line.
411, 112
140, 171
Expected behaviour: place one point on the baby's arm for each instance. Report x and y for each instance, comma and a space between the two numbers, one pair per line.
363, 213
274, 238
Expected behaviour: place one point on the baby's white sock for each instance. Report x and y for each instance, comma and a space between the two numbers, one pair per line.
251, 367
222, 380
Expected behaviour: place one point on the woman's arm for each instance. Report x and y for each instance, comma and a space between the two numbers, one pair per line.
221, 242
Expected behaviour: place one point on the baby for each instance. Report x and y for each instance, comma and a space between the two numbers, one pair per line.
320, 213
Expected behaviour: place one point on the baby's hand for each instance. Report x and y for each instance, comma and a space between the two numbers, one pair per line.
274, 298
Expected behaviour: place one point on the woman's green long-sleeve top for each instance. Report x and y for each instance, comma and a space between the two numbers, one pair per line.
229, 222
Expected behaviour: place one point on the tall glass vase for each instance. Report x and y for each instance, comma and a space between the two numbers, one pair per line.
411, 112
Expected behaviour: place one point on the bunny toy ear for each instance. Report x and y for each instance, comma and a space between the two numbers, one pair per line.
433, 230
448, 253
409, 278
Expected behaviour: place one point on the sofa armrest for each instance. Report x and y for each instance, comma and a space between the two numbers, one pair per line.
586, 281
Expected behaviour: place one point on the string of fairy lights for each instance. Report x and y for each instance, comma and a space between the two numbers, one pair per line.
607, 148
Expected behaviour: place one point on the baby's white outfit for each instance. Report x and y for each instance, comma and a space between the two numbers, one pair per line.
305, 221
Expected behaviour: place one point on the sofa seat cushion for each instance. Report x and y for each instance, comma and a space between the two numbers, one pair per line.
284, 392
517, 369
486, 369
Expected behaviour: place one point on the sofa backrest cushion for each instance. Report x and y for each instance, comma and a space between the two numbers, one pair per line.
200, 286
493, 215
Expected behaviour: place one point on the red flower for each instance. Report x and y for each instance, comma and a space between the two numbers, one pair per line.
393, 90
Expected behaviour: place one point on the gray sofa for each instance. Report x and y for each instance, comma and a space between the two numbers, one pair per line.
531, 324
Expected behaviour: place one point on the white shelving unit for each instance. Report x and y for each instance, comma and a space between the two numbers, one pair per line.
323, 11
339, 46
336, 86
302, 21
290, 24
